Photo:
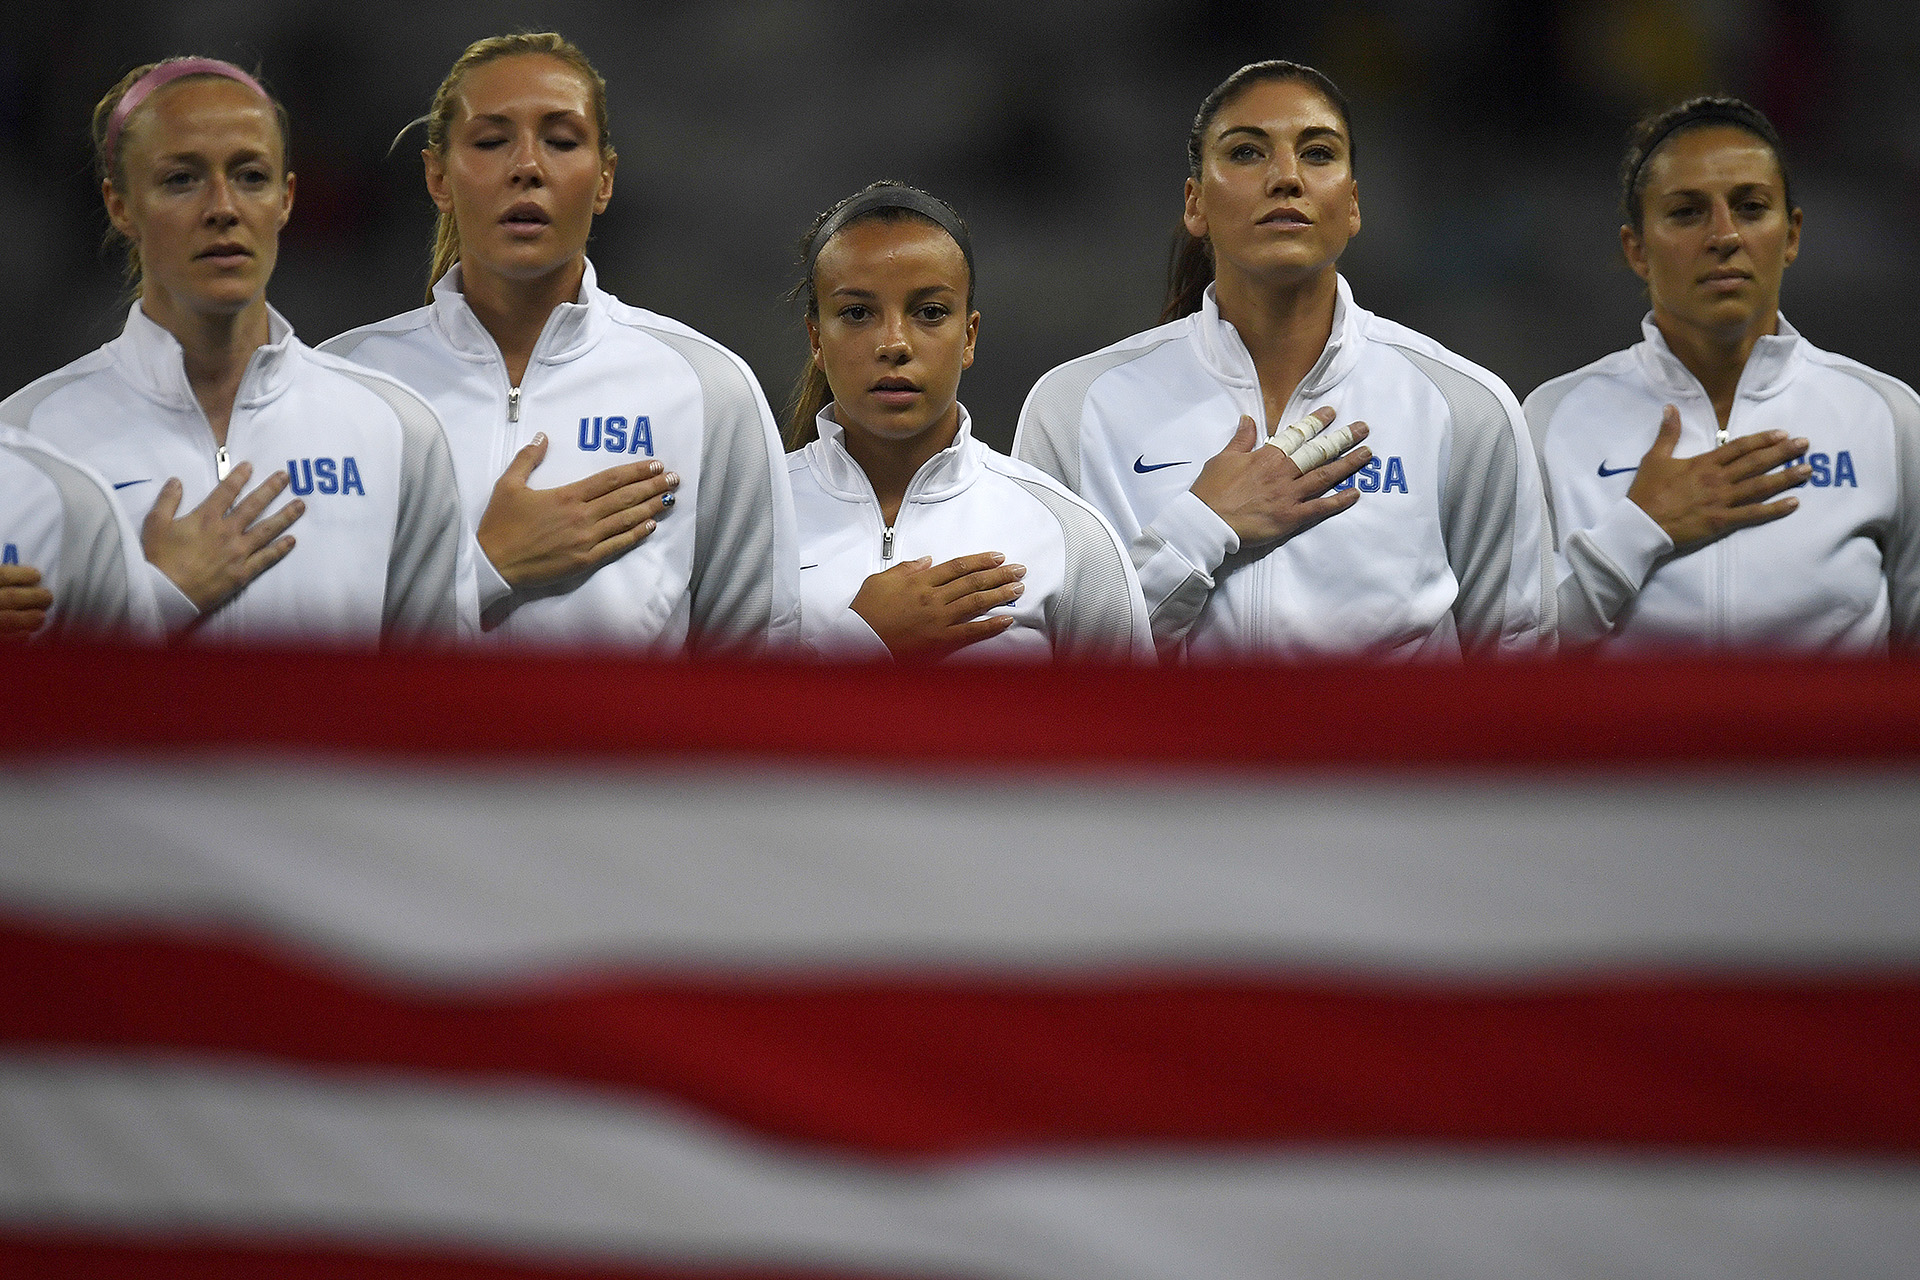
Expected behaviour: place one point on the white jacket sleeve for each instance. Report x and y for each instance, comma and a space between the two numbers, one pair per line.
1597, 572
1173, 558
86, 548
745, 584
1902, 554
1493, 518
431, 592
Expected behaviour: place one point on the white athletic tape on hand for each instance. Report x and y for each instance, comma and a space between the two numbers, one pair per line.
1291, 437
1322, 449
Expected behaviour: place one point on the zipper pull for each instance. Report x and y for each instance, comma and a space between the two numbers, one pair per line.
513, 404
886, 543
221, 463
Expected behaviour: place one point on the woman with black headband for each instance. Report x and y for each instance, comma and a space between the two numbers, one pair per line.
1211, 442
1667, 462
207, 386
663, 521
917, 540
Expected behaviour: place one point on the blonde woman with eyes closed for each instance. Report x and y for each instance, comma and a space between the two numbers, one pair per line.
621, 473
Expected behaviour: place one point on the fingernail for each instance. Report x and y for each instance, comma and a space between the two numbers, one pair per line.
1019, 571
673, 477
649, 526
997, 557
653, 468
666, 499
1019, 588
1800, 444
539, 437
299, 506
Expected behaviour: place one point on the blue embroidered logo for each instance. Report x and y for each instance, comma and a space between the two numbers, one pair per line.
1832, 472
305, 475
1140, 464
612, 434
125, 483
11, 555
1616, 471
1370, 479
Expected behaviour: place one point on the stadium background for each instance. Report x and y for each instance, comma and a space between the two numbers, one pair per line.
1487, 137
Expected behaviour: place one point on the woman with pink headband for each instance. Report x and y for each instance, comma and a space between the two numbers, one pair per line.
207, 386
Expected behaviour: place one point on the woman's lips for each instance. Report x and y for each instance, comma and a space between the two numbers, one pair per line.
894, 391
525, 219
225, 254
1286, 218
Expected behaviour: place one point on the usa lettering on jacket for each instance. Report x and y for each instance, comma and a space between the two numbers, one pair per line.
612, 435
1369, 478
1832, 472
305, 475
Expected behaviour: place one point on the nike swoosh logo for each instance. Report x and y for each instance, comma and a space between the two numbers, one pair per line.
124, 483
1140, 465
1617, 471
814, 565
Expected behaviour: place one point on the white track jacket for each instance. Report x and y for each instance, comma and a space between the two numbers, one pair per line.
610, 383
1445, 552
1840, 574
59, 517
1082, 600
379, 552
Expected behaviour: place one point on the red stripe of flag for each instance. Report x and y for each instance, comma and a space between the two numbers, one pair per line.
468, 706
917, 1066
71, 1256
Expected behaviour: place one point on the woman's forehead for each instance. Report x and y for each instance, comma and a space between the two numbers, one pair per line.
907, 247
1291, 101
201, 113
539, 80
1712, 153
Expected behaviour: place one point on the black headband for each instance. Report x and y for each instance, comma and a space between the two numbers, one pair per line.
911, 198
1709, 113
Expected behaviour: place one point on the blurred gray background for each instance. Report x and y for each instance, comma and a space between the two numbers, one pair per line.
1487, 138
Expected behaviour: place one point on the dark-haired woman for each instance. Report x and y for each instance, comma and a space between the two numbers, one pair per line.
207, 383
541, 374
1666, 462
917, 540
1427, 541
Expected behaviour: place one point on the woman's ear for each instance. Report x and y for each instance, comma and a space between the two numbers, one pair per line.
1194, 220
436, 170
1634, 249
813, 343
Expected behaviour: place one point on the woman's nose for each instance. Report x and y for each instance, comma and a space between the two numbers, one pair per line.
1722, 231
1283, 174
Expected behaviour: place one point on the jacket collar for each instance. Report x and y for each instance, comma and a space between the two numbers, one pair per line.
1768, 370
571, 330
945, 474
1227, 358
154, 362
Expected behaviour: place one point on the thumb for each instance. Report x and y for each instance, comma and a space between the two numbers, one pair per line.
521, 469
1669, 437
1243, 436
164, 508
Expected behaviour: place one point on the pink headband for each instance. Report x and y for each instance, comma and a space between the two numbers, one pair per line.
161, 76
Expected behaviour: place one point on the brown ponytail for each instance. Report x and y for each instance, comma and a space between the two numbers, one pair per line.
810, 395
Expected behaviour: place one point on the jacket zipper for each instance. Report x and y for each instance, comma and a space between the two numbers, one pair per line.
886, 544
221, 463
513, 404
